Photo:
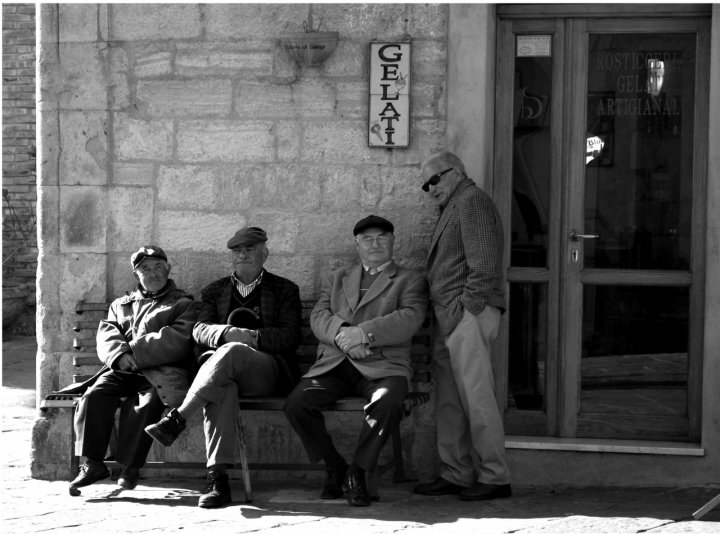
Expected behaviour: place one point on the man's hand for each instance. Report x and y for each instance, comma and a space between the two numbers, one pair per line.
127, 362
239, 335
349, 337
359, 352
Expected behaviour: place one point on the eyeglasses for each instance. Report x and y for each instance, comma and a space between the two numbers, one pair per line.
368, 241
434, 179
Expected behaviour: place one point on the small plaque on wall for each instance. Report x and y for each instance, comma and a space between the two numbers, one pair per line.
389, 109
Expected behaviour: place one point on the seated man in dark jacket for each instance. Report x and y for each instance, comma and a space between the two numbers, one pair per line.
249, 328
146, 346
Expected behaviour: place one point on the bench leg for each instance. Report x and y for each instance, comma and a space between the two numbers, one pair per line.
74, 459
243, 459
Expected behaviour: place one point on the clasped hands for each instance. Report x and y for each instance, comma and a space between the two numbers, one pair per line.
235, 334
351, 341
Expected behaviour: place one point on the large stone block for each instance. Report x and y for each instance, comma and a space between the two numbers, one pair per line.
140, 139
118, 87
293, 188
252, 21
341, 185
288, 134
429, 61
193, 271
205, 140
132, 173
314, 98
352, 100
364, 21
83, 159
282, 229
152, 60
298, 268
83, 278
262, 100
328, 233
130, 219
193, 98
134, 22
81, 81
82, 219
215, 59
429, 21
339, 141
192, 187
392, 188
78, 22
120, 277
192, 230
48, 150
428, 100
350, 59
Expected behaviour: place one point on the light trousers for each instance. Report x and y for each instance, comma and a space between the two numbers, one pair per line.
235, 369
471, 439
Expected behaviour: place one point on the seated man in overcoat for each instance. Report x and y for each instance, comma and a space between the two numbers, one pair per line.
145, 345
248, 330
364, 321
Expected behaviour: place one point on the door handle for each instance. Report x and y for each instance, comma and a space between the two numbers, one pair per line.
574, 236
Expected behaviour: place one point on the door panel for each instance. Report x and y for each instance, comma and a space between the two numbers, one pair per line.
601, 187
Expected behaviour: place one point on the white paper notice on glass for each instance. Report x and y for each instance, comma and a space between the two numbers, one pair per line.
534, 45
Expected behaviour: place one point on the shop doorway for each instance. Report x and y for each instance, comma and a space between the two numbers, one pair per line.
600, 165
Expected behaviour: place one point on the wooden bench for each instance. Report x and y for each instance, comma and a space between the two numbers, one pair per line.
86, 363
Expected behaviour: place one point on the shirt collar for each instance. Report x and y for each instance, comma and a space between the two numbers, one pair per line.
377, 269
246, 289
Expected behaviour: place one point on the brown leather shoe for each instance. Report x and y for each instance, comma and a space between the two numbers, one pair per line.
439, 486
485, 492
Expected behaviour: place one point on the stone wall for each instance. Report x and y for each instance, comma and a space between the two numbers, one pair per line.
18, 167
178, 124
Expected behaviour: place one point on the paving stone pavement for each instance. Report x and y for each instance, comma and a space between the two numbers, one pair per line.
170, 505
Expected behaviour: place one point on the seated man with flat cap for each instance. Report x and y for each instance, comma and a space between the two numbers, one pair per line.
145, 344
364, 321
248, 330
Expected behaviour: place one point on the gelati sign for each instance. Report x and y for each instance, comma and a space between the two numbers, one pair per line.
389, 109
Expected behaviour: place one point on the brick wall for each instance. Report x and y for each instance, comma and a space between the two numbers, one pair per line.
18, 163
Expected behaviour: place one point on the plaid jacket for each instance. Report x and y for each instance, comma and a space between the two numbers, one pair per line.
281, 314
465, 259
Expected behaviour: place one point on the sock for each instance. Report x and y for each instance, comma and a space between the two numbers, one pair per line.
333, 459
190, 405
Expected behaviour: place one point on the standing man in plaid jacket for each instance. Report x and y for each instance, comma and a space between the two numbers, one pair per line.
247, 333
467, 291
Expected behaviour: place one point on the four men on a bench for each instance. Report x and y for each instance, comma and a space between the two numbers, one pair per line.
364, 321
146, 347
248, 330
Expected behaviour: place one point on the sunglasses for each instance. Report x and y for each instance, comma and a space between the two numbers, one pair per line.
434, 179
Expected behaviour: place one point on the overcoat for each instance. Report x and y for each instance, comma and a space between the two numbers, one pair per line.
157, 331
390, 313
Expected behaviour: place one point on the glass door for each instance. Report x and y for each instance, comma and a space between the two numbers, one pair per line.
603, 191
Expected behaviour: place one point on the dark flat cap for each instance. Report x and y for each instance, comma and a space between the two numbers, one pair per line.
373, 221
247, 236
148, 251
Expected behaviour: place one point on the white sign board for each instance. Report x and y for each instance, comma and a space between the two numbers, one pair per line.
534, 46
389, 109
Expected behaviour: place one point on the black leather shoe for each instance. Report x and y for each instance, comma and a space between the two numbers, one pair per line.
439, 486
128, 478
217, 493
485, 492
90, 472
357, 492
334, 476
166, 431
